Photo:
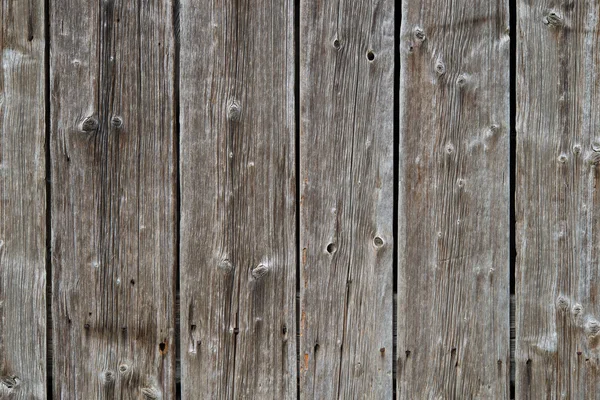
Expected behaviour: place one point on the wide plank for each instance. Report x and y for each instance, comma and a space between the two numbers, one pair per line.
453, 230
557, 200
238, 200
113, 149
346, 203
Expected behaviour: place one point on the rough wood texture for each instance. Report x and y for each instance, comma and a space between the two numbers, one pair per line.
558, 151
453, 252
22, 201
346, 170
113, 199
238, 251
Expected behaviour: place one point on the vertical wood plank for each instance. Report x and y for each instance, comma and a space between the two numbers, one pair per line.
346, 170
453, 255
22, 201
113, 203
238, 190
558, 151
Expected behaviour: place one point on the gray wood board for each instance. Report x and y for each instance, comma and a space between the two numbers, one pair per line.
238, 200
22, 201
453, 233
558, 150
113, 199
346, 204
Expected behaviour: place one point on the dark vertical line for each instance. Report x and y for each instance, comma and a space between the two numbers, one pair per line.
297, 152
176, 149
512, 216
48, 172
397, 24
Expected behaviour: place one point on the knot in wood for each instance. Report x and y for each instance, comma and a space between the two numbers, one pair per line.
259, 271
10, 381
419, 34
107, 377
150, 393
596, 146
553, 19
117, 122
234, 111
562, 303
440, 68
225, 266
592, 327
90, 124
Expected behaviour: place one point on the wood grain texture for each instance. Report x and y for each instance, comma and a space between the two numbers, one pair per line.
113, 199
558, 150
346, 170
22, 201
453, 234
238, 191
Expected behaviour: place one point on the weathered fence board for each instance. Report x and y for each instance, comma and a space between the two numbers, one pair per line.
453, 234
346, 203
558, 145
238, 199
22, 201
113, 199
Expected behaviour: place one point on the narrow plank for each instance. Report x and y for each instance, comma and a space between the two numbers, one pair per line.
558, 145
22, 201
114, 199
238, 190
453, 233
346, 171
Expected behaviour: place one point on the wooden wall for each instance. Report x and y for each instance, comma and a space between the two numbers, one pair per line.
302, 199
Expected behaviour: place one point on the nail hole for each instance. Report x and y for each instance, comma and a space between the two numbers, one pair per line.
132, 282
378, 242
162, 346
370, 55
331, 248
193, 328
407, 352
317, 347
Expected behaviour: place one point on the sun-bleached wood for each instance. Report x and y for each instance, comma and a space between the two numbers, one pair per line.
113, 150
557, 200
238, 200
22, 201
453, 231
346, 203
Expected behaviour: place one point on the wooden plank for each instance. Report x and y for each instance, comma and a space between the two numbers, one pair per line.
346, 170
453, 233
558, 149
113, 199
22, 201
238, 191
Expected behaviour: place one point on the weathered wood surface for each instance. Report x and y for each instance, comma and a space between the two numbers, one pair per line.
453, 233
113, 199
558, 150
346, 171
22, 201
238, 199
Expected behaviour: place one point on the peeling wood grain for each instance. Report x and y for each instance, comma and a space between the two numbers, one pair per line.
453, 252
238, 250
346, 169
22, 201
558, 139
113, 203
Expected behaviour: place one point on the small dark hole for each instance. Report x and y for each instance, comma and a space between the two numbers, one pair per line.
284, 329
87, 326
30, 38
370, 55
236, 331
331, 248
336, 44
193, 328
132, 282
162, 346
382, 350
317, 347
528, 362
89, 313
499, 362
407, 352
